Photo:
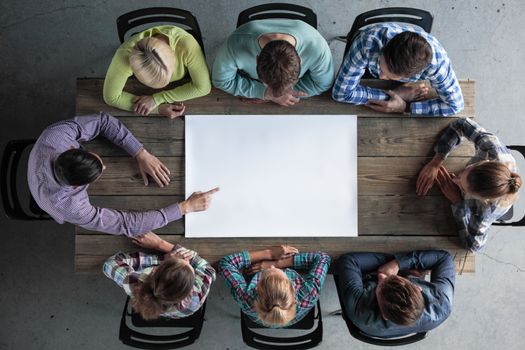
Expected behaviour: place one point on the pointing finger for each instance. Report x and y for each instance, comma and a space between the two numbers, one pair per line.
213, 190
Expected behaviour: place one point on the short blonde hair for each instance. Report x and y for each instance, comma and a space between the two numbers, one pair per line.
152, 62
275, 304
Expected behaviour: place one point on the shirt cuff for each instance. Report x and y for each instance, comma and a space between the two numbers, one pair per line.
258, 91
133, 146
159, 99
173, 212
246, 257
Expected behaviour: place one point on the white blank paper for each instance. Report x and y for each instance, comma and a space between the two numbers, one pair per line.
278, 175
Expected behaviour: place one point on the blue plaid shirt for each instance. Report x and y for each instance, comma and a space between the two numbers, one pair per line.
474, 216
365, 53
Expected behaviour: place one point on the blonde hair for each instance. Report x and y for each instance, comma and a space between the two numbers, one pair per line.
275, 304
152, 62
494, 181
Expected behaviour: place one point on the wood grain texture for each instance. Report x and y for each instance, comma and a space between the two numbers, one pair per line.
89, 100
376, 176
378, 137
93, 250
377, 215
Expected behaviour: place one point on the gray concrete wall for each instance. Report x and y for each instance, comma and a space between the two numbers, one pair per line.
46, 45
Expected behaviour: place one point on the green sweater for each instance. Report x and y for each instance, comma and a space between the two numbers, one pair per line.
242, 47
188, 59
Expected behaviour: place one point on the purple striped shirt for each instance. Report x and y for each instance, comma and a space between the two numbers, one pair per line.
71, 204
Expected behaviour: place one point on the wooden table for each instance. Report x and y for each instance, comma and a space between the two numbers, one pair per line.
391, 151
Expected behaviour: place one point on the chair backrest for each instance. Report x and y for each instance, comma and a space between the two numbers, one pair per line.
305, 341
159, 15
362, 336
503, 220
278, 10
142, 340
414, 16
11, 158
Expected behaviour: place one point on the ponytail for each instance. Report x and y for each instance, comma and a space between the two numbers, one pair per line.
493, 180
276, 300
171, 282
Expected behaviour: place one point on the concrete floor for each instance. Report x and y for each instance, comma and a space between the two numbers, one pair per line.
47, 44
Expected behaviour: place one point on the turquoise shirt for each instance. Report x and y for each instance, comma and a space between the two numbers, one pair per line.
240, 51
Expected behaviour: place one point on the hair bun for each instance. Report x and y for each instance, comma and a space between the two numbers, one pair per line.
514, 183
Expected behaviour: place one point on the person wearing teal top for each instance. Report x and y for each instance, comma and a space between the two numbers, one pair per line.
279, 60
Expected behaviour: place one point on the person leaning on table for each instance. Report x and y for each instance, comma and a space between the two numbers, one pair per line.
404, 53
277, 60
60, 171
388, 305
172, 284
157, 56
276, 295
482, 192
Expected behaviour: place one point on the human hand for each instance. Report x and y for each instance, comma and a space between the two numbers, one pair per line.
172, 110
148, 240
151, 165
394, 105
410, 93
181, 253
449, 189
391, 268
427, 176
261, 265
289, 98
282, 252
143, 105
198, 201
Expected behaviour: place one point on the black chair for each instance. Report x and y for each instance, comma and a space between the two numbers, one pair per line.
503, 221
158, 15
418, 17
306, 341
11, 158
362, 336
141, 340
278, 10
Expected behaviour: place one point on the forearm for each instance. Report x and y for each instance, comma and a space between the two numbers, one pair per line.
129, 223
358, 94
260, 255
435, 107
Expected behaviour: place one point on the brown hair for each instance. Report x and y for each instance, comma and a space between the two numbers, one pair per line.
407, 54
171, 282
493, 180
152, 61
278, 66
275, 304
400, 300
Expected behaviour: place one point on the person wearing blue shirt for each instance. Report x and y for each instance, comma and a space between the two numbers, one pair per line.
382, 303
404, 53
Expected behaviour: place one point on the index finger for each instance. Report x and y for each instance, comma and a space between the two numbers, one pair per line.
213, 190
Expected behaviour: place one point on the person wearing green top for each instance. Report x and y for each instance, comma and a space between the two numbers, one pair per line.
157, 56
277, 60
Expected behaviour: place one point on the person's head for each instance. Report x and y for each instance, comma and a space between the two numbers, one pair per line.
488, 180
278, 66
171, 282
152, 61
275, 302
405, 55
399, 300
76, 167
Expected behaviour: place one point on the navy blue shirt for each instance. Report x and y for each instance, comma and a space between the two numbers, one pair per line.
357, 289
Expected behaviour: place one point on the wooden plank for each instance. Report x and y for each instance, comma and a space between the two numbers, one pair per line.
376, 176
93, 250
379, 137
89, 100
378, 215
